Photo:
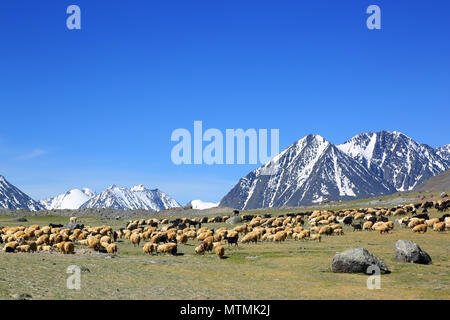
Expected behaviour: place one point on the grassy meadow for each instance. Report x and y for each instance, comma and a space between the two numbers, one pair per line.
290, 270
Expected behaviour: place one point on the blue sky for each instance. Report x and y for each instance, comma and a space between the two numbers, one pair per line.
97, 106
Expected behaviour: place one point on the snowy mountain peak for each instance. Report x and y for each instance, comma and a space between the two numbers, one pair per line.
444, 152
137, 197
72, 199
12, 198
395, 158
311, 170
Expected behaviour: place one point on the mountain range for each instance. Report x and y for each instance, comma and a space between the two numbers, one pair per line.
12, 198
313, 170
137, 197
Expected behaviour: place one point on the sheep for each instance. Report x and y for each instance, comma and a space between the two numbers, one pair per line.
250, 237
420, 228
200, 248
73, 219
316, 237
304, 234
382, 228
65, 247
220, 251
326, 230
111, 248
93, 243
431, 222
440, 226
23, 248
10, 246
135, 239
280, 236
149, 247
415, 222
167, 248
182, 238
367, 225
44, 239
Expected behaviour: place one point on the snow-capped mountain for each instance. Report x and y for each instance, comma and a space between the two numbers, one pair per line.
137, 197
396, 158
72, 199
12, 198
311, 170
444, 152
202, 205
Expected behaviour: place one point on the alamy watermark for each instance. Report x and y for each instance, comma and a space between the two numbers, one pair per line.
74, 281
190, 149
374, 281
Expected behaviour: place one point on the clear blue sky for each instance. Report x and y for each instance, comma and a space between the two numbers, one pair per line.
97, 106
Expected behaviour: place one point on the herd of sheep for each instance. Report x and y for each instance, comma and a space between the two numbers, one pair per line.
163, 236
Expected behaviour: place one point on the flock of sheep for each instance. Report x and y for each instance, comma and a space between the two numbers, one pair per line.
163, 236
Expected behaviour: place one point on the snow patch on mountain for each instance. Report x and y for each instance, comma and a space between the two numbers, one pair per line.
137, 197
72, 199
202, 205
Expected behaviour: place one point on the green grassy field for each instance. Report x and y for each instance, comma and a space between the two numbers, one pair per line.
291, 270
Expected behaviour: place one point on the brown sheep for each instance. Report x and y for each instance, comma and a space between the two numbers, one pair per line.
420, 228
431, 222
23, 248
200, 248
182, 238
220, 251
93, 243
440, 226
169, 247
111, 248
135, 239
368, 225
149, 247
316, 237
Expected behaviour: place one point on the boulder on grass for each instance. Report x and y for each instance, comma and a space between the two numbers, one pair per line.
408, 251
356, 261
234, 220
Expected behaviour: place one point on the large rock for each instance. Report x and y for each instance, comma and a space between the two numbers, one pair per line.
408, 251
356, 261
234, 220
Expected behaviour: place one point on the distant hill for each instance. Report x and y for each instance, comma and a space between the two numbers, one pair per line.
441, 182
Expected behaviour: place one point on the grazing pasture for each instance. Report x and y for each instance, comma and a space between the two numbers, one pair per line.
279, 266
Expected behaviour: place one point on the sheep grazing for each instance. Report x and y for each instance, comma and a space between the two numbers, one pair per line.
250, 237
182, 238
431, 222
135, 239
317, 237
382, 228
167, 248
94, 243
220, 251
420, 228
65, 247
200, 249
368, 225
23, 248
111, 248
440, 226
149, 247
